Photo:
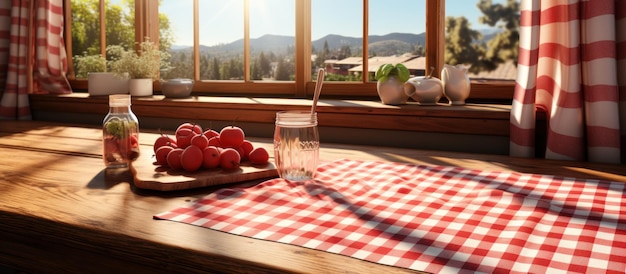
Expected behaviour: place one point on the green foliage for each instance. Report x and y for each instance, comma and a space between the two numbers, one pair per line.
120, 26
505, 46
181, 67
146, 62
264, 66
282, 71
215, 72
86, 63
343, 78
461, 46
399, 70
120, 128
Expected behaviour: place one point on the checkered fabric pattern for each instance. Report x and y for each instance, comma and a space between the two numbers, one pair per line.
434, 218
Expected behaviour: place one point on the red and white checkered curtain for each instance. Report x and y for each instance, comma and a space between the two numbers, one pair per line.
572, 67
32, 54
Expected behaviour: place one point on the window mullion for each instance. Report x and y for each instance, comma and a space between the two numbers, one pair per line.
246, 41
146, 21
303, 47
67, 13
435, 36
102, 17
196, 41
365, 75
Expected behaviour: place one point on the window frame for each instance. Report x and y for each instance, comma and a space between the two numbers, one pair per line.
146, 24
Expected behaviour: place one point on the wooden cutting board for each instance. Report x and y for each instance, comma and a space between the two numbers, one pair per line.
149, 175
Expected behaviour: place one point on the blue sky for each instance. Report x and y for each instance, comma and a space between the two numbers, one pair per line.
221, 21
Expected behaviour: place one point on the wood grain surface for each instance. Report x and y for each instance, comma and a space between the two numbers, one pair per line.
61, 211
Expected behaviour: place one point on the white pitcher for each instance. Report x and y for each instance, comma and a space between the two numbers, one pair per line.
456, 83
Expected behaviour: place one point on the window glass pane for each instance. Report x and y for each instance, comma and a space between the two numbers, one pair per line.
272, 40
488, 45
176, 24
221, 39
397, 34
86, 32
337, 38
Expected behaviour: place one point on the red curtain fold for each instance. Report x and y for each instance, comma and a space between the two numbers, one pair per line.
572, 67
32, 54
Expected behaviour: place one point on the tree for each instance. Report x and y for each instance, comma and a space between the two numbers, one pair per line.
225, 71
236, 69
418, 50
345, 52
255, 70
85, 27
264, 65
325, 50
181, 67
460, 46
119, 22
215, 72
505, 45
461, 41
205, 67
282, 71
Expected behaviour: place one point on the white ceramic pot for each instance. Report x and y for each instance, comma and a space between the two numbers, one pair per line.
425, 90
456, 83
391, 92
106, 83
140, 87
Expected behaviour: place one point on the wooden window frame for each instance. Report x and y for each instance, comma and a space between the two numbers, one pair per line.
303, 87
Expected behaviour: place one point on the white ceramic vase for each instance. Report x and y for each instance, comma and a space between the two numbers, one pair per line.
391, 92
106, 83
140, 87
456, 83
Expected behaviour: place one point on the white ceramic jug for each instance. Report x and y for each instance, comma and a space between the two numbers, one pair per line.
456, 83
425, 90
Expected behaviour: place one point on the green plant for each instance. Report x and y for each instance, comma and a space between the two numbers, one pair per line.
146, 62
84, 64
387, 70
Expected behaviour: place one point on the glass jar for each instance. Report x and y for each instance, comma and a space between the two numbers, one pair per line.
120, 133
296, 145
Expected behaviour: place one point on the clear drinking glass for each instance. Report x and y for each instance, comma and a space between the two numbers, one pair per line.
296, 145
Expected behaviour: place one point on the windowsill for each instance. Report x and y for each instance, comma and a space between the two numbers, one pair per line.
481, 119
338, 116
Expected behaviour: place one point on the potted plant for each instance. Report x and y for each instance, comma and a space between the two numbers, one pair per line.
142, 66
390, 86
99, 81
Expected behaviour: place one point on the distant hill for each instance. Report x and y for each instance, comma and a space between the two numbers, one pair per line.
279, 44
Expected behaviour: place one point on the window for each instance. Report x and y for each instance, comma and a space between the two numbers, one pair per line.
274, 47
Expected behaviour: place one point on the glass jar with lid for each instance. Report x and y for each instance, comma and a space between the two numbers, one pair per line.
120, 133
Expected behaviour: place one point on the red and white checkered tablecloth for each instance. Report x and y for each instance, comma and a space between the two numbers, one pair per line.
433, 218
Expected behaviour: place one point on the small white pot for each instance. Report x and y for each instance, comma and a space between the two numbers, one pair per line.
391, 92
140, 87
106, 83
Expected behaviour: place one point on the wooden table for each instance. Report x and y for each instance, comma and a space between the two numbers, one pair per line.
61, 211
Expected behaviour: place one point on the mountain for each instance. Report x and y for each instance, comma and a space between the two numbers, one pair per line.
280, 44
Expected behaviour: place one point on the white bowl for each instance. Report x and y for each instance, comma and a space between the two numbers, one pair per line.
176, 88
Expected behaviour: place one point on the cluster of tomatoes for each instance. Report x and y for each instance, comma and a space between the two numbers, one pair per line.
193, 149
